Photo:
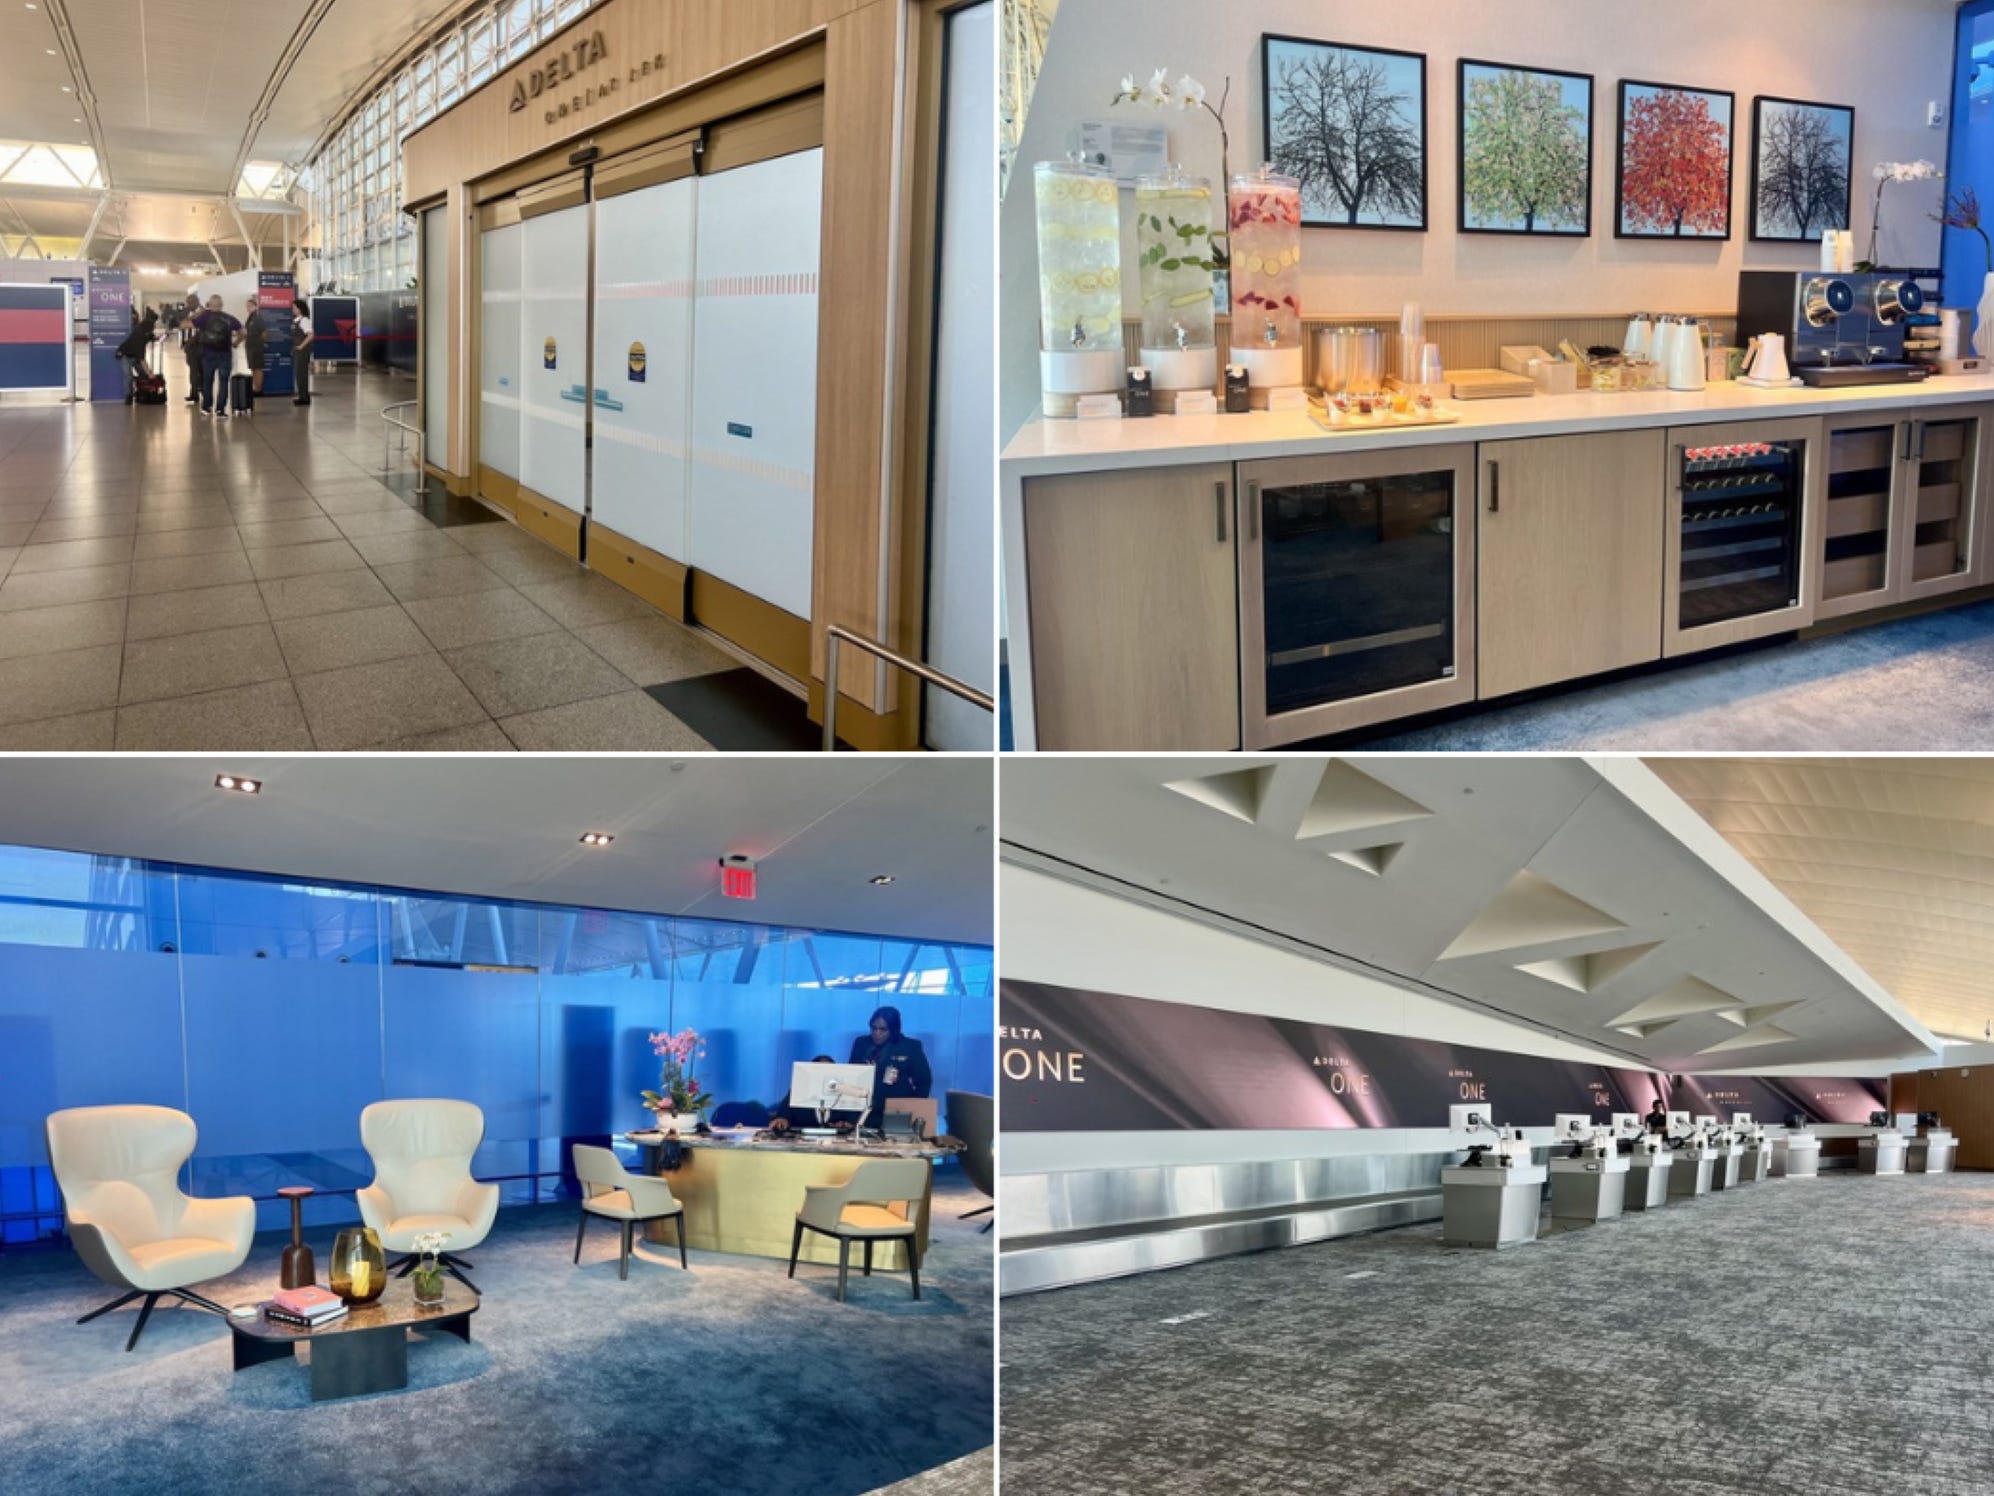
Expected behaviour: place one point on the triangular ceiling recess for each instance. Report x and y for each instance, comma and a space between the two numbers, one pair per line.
1348, 799
1584, 973
1530, 911
1372, 860
1677, 1000
1237, 792
1765, 1033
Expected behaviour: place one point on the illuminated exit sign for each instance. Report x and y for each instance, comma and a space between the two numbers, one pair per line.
737, 877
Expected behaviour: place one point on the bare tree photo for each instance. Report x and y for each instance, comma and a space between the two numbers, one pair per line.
1801, 172
1350, 126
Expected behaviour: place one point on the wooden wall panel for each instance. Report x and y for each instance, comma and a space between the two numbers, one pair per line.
860, 280
1963, 1096
699, 40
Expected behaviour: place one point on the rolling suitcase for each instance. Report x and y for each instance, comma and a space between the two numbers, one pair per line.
149, 388
241, 399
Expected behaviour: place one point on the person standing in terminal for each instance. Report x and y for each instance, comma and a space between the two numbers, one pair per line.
301, 352
899, 1064
215, 335
190, 342
135, 349
1658, 1117
252, 339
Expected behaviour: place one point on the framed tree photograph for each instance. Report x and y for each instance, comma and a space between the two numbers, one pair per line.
1672, 176
1525, 150
1349, 124
1802, 161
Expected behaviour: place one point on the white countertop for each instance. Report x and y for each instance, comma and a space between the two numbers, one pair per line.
1043, 446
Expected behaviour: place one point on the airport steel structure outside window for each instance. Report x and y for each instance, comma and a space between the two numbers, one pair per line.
353, 188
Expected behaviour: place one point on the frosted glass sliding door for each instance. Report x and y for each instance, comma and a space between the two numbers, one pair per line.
754, 377
643, 357
498, 348
554, 326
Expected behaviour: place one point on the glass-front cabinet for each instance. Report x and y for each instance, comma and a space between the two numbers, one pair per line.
1356, 590
1903, 513
1744, 506
1943, 468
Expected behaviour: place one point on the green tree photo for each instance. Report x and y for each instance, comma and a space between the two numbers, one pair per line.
1524, 154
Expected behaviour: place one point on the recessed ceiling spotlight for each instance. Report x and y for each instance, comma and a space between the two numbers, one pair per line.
596, 838
238, 784
881, 880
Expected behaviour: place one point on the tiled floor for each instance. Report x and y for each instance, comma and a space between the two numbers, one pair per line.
172, 582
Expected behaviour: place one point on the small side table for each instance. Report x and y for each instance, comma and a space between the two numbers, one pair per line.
298, 1271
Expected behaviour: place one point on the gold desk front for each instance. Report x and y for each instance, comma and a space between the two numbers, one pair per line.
742, 1196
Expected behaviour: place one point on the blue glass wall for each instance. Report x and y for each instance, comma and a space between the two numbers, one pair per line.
1970, 149
272, 1011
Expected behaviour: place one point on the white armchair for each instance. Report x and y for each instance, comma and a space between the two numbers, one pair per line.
118, 1168
612, 1191
880, 1202
422, 1179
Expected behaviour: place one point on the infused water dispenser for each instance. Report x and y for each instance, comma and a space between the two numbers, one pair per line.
1264, 211
1080, 284
1173, 214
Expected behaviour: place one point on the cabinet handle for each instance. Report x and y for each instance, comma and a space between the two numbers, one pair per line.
1218, 494
1921, 441
1253, 512
1495, 486
1909, 428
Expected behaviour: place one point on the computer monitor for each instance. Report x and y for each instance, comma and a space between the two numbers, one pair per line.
1678, 1124
1628, 1125
1741, 1119
1706, 1119
1796, 1121
830, 1088
1572, 1127
1879, 1119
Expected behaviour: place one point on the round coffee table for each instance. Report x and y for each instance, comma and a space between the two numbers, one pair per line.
366, 1348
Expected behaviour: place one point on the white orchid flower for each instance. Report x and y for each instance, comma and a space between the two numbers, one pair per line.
1158, 92
1190, 92
1129, 90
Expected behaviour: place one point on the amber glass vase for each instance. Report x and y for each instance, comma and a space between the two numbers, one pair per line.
359, 1268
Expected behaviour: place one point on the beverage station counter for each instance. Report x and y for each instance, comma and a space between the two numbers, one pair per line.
1250, 580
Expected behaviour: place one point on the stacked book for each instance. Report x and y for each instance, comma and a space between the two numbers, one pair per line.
307, 1307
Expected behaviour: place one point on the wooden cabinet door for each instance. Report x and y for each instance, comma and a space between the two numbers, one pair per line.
1134, 609
1571, 543
1941, 513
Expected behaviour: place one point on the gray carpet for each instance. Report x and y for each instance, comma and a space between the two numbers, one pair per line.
1914, 685
728, 1379
1832, 1338
972, 1475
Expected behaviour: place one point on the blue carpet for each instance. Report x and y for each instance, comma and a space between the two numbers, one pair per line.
1916, 684
727, 1379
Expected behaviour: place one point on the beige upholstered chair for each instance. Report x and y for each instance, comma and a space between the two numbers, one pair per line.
878, 1203
610, 1190
118, 1168
422, 1179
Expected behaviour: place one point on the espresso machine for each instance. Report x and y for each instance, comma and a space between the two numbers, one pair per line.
1839, 328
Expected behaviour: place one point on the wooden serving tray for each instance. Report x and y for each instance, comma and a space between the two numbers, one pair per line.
1441, 416
1489, 384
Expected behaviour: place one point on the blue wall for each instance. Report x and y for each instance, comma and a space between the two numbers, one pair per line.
1970, 149
272, 1011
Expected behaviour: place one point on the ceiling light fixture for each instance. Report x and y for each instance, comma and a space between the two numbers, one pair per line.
881, 880
596, 838
238, 784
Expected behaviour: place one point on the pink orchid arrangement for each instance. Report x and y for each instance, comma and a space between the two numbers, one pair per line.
679, 1096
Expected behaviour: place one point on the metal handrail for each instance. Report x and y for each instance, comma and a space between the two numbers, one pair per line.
407, 430
837, 632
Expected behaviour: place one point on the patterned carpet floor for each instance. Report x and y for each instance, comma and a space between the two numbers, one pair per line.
1793, 1338
728, 1380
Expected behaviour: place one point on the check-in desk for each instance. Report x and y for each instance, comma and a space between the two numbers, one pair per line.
1695, 1163
1755, 1161
1797, 1155
1491, 1205
1648, 1180
741, 1193
1587, 1190
1882, 1152
1725, 1160
1930, 1152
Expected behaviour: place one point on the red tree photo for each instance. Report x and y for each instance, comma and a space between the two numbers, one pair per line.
1675, 166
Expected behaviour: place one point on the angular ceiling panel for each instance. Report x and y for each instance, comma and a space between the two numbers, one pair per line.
1348, 799
1529, 911
1585, 973
1238, 792
1678, 1000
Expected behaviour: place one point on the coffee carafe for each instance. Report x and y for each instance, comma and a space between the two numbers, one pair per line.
1685, 366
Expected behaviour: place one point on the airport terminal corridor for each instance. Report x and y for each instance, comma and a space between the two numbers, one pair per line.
1824, 1337
173, 582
